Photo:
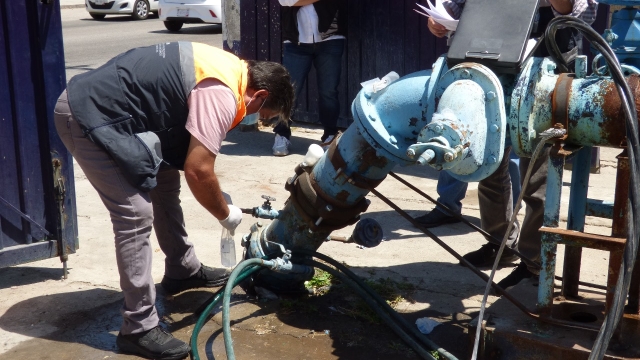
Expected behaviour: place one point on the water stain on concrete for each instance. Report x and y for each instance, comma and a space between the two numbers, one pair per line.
308, 329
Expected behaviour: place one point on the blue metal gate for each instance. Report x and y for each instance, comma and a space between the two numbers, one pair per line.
37, 196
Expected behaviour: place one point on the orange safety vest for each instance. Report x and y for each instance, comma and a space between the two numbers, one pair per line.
211, 62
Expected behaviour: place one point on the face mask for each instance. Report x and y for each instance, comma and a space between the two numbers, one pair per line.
261, 105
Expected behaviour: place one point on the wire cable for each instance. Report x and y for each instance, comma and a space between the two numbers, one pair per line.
546, 135
627, 100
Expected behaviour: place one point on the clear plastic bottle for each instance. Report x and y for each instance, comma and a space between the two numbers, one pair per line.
227, 249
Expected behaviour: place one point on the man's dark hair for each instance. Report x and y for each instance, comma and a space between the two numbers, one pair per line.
274, 78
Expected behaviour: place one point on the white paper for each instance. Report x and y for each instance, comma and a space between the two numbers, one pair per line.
439, 14
531, 43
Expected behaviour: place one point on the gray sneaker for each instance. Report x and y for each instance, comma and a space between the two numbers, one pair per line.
156, 343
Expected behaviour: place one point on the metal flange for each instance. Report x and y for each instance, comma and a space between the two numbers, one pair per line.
468, 130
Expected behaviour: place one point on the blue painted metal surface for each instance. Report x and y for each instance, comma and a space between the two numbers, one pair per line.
624, 34
295, 228
467, 132
301, 224
549, 242
592, 108
33, 76
576, 219
453, 119
468, 103
579, 190
600, 208
392, 118
361, 159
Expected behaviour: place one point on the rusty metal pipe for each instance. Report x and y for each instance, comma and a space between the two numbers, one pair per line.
589, 108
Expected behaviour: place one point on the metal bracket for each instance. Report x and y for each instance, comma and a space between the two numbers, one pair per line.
58, 184
560, 103
286, 253
355, 179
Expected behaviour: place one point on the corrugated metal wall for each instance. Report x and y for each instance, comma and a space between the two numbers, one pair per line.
32, 76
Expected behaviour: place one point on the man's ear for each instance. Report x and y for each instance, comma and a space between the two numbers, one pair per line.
262, 93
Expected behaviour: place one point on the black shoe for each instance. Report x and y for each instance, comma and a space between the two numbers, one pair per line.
205, 277
486, 255
436, 218
156, 343
518, 274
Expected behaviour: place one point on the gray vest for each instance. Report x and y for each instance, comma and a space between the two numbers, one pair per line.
135, 107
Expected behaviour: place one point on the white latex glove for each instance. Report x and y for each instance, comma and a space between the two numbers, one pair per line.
233, 220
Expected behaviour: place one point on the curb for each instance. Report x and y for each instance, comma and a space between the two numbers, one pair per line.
78, 6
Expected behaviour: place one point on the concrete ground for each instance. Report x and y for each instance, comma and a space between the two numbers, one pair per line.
43, 316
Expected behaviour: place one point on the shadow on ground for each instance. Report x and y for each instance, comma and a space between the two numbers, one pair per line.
333, 324
25, 275
194, 29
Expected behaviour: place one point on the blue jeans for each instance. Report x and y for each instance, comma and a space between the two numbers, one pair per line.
326, 58
452, 191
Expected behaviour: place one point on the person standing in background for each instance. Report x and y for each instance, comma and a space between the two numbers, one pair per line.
314, 34
494, 192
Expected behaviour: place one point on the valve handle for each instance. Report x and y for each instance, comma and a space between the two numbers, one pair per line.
268, 198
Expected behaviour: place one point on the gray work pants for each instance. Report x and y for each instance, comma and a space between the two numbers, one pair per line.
495, 200
133, 213
530, 237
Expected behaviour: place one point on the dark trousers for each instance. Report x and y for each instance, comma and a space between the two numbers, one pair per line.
326, 58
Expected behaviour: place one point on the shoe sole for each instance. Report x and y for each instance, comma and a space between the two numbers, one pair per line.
130, 349
214, 283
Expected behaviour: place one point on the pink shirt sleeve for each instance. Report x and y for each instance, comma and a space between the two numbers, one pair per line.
212, 109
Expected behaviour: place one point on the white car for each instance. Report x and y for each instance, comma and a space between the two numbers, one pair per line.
138, 9
176, 13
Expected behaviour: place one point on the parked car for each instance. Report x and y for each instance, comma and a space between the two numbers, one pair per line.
138, 9
176, 13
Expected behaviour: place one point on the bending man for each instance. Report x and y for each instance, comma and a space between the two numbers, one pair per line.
131, 125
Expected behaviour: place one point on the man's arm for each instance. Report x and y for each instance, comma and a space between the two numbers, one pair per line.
436, 29
296, 2
563, 7
202, 180
454, 8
